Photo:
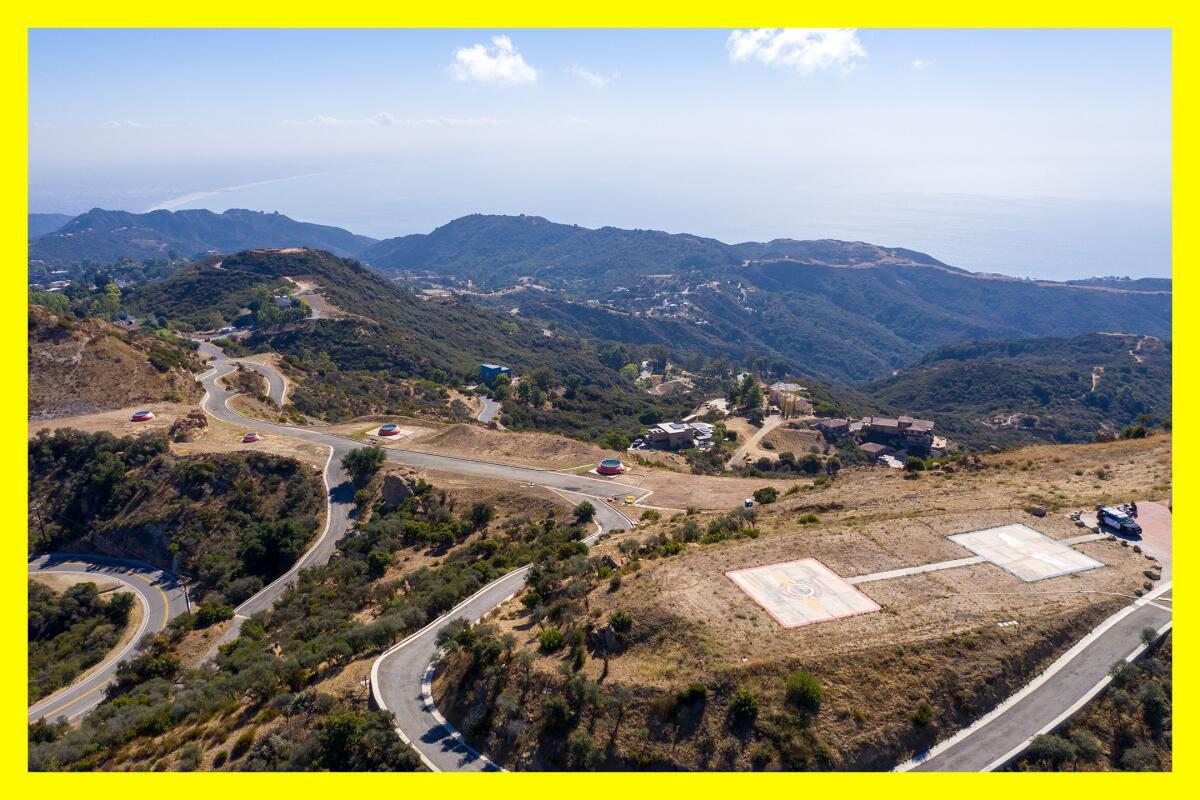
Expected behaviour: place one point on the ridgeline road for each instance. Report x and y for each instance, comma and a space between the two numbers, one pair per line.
161, 596
401, 677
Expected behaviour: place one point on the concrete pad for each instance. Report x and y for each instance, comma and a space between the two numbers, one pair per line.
401, 433
1026, 553
801, 592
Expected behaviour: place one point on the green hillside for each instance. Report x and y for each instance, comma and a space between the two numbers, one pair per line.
846, 311
1012, 392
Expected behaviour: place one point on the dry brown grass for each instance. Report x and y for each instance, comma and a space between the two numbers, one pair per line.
935, 639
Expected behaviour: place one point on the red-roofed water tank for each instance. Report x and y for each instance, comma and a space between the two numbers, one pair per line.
610, 466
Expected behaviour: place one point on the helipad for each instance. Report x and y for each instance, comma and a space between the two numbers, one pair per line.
801, 592
1026, 553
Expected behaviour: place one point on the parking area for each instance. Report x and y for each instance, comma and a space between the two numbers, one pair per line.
801, 592
1024, 552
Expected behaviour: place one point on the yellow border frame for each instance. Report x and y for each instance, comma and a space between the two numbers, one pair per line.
541, 13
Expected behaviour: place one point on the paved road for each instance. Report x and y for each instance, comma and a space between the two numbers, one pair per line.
400, 677
161, 596
489, 410
215, 403
276, 385
1078, 675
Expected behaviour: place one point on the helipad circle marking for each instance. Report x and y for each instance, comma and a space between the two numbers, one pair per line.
799, 589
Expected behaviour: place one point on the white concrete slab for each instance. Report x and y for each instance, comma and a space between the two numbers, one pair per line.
1026, 553
801, 592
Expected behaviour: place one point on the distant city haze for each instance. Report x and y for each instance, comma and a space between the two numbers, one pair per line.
1031, 153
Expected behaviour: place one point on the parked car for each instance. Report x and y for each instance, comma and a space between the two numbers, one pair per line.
1118, 520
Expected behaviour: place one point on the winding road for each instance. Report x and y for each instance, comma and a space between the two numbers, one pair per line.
401, 677
161, 596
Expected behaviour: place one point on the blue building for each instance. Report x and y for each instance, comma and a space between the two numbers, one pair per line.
489, 372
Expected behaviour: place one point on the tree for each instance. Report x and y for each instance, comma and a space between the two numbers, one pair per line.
913, 464
363, 462
584, 513
615, 440
804, 691
832, 466
481, 514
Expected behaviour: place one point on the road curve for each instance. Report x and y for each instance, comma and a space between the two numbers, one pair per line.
401, 677
489, 411
397, 675
162, 598
276, 384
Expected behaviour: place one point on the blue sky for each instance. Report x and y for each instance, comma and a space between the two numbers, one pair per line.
921, 138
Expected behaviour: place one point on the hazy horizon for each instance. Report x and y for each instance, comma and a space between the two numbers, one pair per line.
1032, 153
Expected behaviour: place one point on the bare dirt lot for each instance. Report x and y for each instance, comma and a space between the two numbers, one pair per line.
935, 639
221, 437
475, 441
117, 421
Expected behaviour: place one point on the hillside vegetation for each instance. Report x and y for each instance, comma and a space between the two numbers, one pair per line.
355, 365
1053, 390
285, 695
83, 366
840, 310
233, 522
69, 632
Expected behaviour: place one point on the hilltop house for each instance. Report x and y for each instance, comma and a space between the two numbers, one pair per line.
902, 432
679, 435
790, 400
489, 372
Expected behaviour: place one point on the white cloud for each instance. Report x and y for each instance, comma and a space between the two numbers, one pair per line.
806, 50
123, 123
501, 64
920, 63
385, 119
591, 78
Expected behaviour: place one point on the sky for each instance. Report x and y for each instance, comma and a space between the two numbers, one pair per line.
1040, 153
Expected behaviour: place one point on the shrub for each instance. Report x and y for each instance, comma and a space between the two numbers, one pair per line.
743, 707
621, 621
1087, 746
556, 714
913, 464
242, 745
767, 494
212, 613
650, 515
1053, 750
550, 640
584, 512
804, 691
1139, 759
694, 693
219, 759
923, 716
614, 582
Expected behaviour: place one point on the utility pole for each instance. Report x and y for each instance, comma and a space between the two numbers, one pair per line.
41, 524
